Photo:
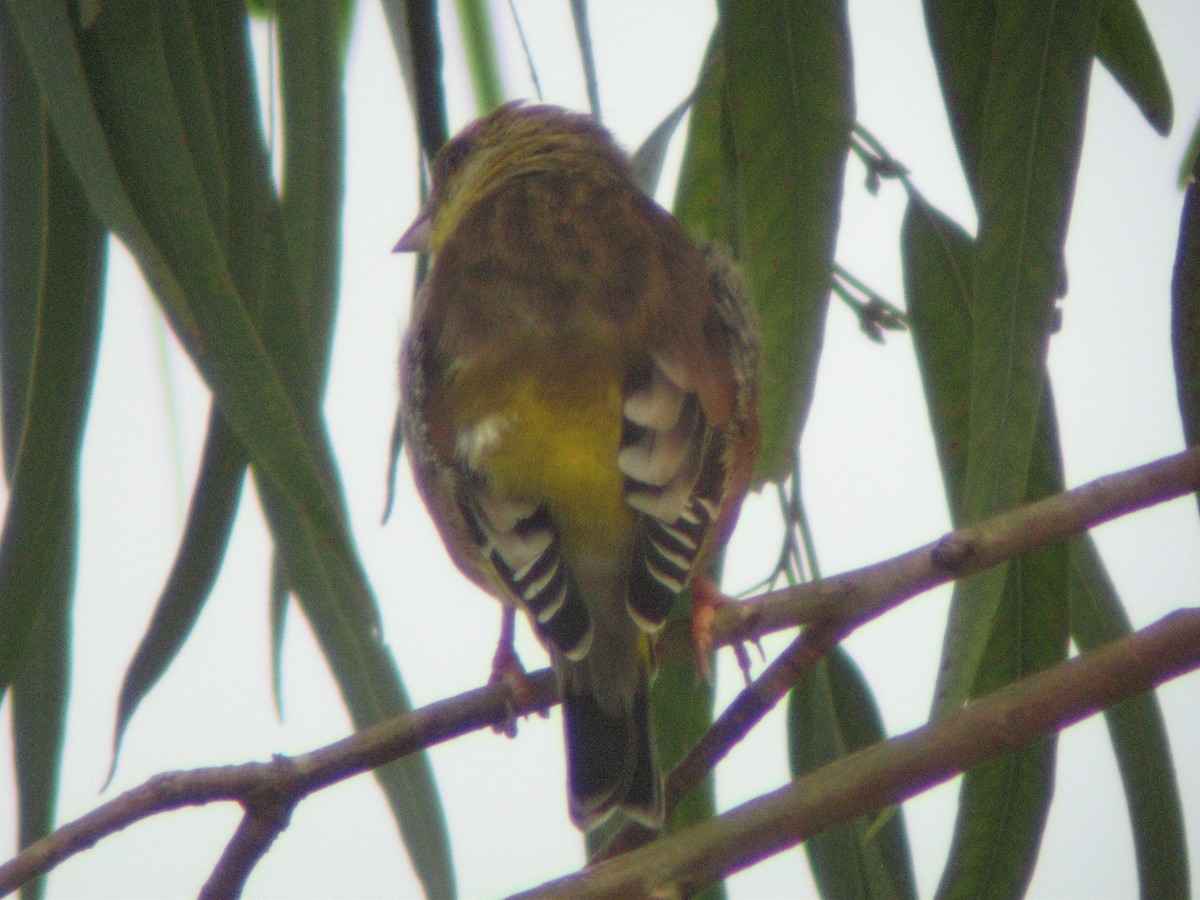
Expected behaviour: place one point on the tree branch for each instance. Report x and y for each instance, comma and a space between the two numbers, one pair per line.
841, 602
889, 772
865, 593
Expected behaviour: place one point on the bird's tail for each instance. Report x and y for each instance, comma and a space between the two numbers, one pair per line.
611, 761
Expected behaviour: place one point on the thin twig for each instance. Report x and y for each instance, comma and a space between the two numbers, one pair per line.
263, 821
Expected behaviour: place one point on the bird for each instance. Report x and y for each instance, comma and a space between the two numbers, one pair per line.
578, 384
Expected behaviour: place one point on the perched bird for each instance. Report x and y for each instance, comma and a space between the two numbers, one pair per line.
578, 398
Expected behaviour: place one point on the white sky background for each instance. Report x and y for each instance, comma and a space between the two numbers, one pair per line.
871, 484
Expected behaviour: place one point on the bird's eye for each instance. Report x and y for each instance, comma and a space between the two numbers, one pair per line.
452, 157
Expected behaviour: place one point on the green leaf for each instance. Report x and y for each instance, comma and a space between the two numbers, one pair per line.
1126, 48
206, 535
61, 353
328, 580
1191, 158
1139, 736
705, 194
332, 592
119, 123
583, 38
1031, 132
832, 713
1185, 310
116, 95
414, 30
279, 596
40, 694
22, 232
479, 41
960, 35
937, 256
786, 118
314, 144
1003, 804
647, 160
51, 282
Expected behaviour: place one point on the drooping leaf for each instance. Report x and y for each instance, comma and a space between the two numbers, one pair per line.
311, 74
478, 36
960, 35
647, 160
1139, 736
832, 713
1126, 48
331, 587
51, 282
786, 114
227, 288
40, 697
1185, 310
23, 150
1030, 132
1003, 804
60, 352
22, 232
413, 25
587, 57
705, 194
206, 535
937, 256
110, 95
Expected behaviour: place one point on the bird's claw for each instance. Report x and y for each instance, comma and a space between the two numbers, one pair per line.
707, 599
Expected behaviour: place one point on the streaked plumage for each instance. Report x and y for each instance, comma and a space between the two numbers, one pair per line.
578, 399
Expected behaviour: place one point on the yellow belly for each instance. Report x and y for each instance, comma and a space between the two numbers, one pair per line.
551, 436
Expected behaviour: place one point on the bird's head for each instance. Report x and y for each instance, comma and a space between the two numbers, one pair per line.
512, 141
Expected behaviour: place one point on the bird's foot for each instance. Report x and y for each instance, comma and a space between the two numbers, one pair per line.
707, 599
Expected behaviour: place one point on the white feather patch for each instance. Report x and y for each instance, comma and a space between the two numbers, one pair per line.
502, 513
472, 443
657, 405
657, 458
520, 551
666, 505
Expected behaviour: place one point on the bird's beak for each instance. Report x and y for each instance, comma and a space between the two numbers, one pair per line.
416, 239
